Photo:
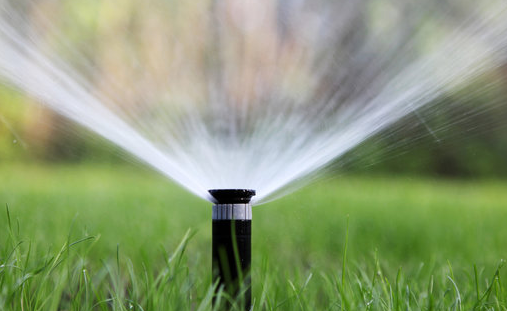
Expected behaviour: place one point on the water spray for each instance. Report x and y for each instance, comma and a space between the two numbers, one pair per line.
232, 237
294, 87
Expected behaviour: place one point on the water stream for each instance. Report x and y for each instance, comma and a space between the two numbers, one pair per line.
246, 94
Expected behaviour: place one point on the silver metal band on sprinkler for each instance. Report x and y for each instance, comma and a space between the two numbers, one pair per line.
237, 211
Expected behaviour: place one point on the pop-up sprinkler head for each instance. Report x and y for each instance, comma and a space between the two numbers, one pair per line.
231, 196
232, 236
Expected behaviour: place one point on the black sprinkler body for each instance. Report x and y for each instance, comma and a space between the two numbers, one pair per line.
232, 240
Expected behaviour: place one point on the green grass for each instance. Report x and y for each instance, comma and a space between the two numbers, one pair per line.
94, 237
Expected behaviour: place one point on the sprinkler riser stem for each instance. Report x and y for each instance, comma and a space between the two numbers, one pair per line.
232, 257
232, 244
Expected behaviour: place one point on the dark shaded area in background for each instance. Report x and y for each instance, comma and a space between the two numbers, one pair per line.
463, 135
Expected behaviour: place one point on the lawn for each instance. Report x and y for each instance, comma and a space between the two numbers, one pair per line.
97, 237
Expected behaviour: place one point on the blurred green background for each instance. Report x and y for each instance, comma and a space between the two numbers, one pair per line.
463, 134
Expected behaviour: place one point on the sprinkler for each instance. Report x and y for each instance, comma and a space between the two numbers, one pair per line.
232, 236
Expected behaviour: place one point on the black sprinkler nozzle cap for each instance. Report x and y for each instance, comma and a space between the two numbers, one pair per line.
232, 196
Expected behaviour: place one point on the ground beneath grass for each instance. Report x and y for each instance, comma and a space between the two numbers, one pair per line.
413, 244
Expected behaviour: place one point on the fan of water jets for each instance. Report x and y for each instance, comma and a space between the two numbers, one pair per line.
255, 94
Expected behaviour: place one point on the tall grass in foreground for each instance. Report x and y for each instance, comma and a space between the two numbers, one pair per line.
68, 279
116, 238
